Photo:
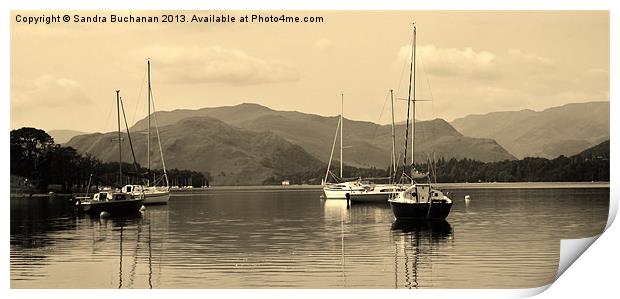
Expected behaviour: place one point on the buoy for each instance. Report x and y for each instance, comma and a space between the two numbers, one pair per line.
142, 208
104, 214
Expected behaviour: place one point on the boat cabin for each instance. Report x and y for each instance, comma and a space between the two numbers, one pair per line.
132, 188
110, 196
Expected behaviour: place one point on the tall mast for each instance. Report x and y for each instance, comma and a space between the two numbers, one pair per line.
120, 148
409, 100
341, 125
412, 85
148, 138
393, 134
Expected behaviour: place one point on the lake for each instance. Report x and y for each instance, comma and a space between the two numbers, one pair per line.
290, 238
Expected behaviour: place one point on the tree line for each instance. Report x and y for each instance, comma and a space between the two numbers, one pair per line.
588, 166
35, 157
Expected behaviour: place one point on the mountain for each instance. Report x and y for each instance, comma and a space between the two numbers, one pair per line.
599, 151
232, 156
366, 144
62, 136
564, 130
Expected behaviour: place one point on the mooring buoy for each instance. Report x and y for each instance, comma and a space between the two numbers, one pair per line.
104, 214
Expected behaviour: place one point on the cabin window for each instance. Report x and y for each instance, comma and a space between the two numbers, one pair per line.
103, 196
128, 188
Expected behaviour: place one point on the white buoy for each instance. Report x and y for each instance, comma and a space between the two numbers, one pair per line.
104, 214
142, 208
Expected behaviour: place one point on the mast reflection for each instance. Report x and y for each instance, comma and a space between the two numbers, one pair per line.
415, 243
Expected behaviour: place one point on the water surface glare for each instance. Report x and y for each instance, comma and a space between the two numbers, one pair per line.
270, 238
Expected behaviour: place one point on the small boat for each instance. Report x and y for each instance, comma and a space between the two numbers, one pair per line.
420, 202
375, 193
342, 190
339, 190
150, 195
112, 202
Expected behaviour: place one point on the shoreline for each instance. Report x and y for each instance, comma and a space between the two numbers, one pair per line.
502, 185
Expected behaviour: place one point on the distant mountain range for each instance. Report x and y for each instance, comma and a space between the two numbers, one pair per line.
62, 136
248, 143
366, 144
564, 130
233, 156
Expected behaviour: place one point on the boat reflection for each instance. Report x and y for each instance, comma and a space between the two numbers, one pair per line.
139, 240
415, 245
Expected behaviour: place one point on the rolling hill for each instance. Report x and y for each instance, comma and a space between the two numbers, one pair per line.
564, 130
62, 136
231, 155
366, 144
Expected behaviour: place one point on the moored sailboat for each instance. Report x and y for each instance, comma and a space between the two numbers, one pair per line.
110, 201
343, 189
419, 202
151, 194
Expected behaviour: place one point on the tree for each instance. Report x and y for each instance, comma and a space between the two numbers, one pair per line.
27, 146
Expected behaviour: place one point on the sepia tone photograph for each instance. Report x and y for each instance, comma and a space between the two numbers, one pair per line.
305, 149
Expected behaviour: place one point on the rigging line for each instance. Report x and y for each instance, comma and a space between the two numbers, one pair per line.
332, 153
428, 84
107, 122
135, 110
135, 164
161, 152
374, 134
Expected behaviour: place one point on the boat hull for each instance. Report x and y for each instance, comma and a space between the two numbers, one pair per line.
369, 197
336, 194
156, 198
439, 210
130, 206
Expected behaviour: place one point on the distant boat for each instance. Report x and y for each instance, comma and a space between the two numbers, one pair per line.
419, 202
111, 202
376, 193
151, 194
343, 189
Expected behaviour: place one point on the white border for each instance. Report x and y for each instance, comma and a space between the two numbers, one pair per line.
594, 273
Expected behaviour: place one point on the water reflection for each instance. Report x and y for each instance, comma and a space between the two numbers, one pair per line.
415, 245
506, 238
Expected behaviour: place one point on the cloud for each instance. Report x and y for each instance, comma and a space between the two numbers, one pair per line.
467, 80
445, 62
322, 44
216, 64
48, 92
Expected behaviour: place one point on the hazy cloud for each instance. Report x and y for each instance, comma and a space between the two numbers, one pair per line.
216, 64
322, 44
48, 92
470, 62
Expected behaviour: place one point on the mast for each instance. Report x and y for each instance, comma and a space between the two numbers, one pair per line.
332, 154
413, 63
411, 71
341, 125
120, 148
393, 134
148, 138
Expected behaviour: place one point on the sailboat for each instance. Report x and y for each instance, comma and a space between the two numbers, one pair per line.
339, 190
110, 201
151, 194
419, 202
380, 193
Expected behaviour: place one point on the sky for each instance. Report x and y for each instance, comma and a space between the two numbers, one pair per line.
64, 75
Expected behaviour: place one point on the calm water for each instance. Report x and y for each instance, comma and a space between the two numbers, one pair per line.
291, 239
